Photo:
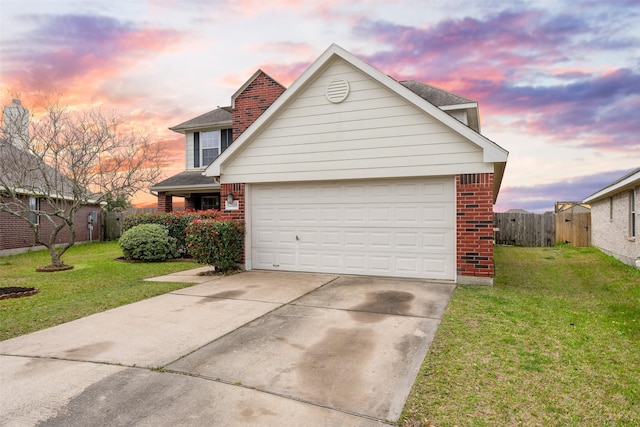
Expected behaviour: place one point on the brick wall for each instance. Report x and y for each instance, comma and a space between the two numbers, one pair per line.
610, 227
15, 233
189, 204
253, 101
474, 228
238, 194
165, 202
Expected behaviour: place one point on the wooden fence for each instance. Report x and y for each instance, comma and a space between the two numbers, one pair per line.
112, 222
573, 228
518, 229
548, 229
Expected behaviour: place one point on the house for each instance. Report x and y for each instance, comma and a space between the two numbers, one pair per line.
15, 234
350, 171
209, 134
615, 218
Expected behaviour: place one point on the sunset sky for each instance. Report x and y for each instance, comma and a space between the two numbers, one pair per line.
557, 82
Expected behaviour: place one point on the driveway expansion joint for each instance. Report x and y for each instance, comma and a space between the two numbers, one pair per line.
282, 395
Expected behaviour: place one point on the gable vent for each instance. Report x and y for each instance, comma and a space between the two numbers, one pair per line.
337, 91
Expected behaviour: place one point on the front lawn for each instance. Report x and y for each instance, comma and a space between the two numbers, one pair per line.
97, 283
556, 342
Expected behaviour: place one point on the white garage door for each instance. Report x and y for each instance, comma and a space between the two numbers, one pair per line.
399, 228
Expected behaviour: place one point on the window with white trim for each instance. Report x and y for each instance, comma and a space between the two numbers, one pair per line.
207, 146
34, 207
210, 146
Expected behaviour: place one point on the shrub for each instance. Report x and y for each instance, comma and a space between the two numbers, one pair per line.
175, 222
148, 242
216, 243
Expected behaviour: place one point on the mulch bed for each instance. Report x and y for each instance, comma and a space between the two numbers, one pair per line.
53, 268
16, 292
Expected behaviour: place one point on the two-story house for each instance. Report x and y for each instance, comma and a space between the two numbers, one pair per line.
348, 171
207, 136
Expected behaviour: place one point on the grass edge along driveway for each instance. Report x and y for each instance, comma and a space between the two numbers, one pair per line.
98, 282
555, 342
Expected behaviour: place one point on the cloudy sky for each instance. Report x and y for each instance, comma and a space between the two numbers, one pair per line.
558, 82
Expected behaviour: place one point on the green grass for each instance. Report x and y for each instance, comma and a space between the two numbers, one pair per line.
555, 342
97, 283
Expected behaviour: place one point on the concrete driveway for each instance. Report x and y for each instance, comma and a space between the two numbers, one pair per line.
255, 348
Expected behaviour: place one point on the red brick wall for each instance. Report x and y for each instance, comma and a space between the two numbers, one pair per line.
474, 225
165, 202
189, 204
253, 101
238, 194
15, 233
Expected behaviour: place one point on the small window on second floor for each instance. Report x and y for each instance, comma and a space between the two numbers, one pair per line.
210, 146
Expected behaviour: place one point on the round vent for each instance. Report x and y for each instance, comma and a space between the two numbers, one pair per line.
337, 91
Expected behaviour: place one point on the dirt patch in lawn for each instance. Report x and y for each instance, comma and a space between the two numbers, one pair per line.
16, 292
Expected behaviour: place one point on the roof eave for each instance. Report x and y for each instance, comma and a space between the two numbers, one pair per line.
213, 186
206, 126
627, 183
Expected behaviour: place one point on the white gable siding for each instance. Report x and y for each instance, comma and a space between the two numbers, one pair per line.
372, 134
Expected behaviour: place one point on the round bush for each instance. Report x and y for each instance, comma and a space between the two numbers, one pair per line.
148, 242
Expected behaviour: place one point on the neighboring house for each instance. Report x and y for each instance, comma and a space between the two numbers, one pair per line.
349, 171
615, 218
15, 234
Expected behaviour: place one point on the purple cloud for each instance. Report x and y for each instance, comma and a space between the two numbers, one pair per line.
62, 48
542, 198
488, 59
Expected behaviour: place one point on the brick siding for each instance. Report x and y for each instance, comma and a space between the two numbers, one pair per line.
15, 233
474, 226
165, 202
610, 226
254, 101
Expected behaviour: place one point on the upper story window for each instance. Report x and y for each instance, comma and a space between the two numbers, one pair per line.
209, 145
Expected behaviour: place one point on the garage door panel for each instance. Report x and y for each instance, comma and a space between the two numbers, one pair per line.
396, 228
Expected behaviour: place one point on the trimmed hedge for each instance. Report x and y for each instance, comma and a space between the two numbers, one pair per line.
148, 242
217, 243
175, 222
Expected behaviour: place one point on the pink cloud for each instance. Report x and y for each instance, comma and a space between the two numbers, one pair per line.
77, 50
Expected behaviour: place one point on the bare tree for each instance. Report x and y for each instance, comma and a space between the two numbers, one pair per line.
67, 160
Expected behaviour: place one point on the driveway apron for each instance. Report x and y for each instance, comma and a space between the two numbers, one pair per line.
255, 348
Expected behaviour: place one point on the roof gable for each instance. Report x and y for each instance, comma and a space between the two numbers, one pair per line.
491, 153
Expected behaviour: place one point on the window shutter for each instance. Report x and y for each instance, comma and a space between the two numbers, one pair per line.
196, 149
225, 139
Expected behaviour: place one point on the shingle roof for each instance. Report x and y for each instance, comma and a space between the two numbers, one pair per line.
186, 178
32, 176
212, 118
434, 95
